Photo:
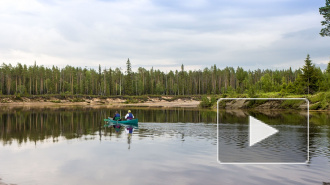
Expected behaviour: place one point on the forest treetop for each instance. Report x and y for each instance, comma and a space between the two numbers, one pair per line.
39, 80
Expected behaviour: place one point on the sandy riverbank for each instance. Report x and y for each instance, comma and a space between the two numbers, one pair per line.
142, 101
165, 102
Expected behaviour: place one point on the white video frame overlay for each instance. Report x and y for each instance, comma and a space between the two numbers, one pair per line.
305, 99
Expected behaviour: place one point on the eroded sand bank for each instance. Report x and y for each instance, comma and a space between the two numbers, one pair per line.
97, 102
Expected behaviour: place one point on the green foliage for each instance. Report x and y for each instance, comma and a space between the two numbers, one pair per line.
284, 85
290, 88
208, 102
255, 103
55, 101
62, 96
325, 81
308, 81
317, 97
222, 104
214, 99
251, 92
4, 101
230, 91
131, 100
21, 89
291, 104
77, 100
128, 79
328, 69
241, 77
325, 104
159, 88
315, 106
269, 95
266, 83
322, 95
320, 100
18, 97
325, 12
228, 82
205, 103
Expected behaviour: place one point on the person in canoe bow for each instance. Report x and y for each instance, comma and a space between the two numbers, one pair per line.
116, 117
129, 115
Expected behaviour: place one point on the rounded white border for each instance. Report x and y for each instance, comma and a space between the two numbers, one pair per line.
307, 101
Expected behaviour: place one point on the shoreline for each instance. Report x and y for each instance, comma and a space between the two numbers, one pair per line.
163, 102
141, 102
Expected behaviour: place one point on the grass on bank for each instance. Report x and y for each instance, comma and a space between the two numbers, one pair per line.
318, 101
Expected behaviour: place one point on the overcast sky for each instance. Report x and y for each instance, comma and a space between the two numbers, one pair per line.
266, 34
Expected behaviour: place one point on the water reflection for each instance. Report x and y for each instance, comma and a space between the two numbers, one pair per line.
290, 123
32, 125
171, 146
24, 124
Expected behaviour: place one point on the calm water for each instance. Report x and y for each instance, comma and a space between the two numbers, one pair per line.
177, 146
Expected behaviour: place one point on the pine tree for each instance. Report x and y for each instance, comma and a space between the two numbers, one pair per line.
328, 69
128, 79
327, 77
325, 11
266, 82
309, 77
99, 86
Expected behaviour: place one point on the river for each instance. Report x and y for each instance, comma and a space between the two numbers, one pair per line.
170, 146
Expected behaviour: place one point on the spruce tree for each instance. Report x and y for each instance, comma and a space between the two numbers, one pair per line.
325, 11
309, 77
128, 79
328, 69
327, 77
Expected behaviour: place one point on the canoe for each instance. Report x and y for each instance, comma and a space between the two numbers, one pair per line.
125, 122
133, 123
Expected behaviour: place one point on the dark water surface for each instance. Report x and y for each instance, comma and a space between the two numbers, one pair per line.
177, 146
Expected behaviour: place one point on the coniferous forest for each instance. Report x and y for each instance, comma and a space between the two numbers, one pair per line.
26, 80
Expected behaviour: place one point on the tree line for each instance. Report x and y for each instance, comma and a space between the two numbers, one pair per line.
39, 80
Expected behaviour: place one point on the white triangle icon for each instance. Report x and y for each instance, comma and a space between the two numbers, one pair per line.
259, 131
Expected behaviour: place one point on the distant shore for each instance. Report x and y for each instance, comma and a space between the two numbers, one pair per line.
161, 101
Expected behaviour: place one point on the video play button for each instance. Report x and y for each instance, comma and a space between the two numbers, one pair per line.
246, 135
259, 131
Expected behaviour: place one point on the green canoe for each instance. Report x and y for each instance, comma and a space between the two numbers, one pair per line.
133, 122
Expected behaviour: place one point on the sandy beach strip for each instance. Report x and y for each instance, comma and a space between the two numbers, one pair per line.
107, 103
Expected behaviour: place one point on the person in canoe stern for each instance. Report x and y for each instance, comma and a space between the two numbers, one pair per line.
129, 115
116, 116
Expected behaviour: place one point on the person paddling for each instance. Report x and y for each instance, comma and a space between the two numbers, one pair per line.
129, 115
116, 116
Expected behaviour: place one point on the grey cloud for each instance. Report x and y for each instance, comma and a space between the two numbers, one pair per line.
230, 33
